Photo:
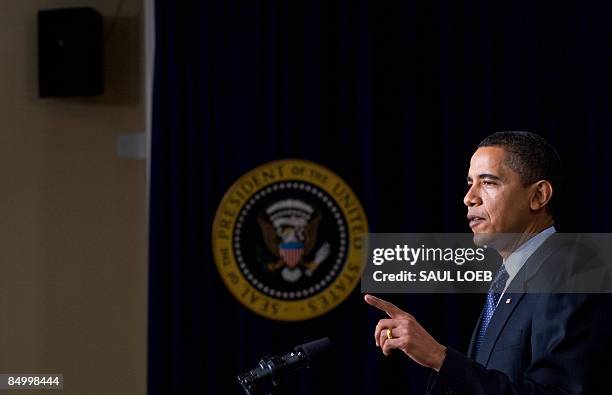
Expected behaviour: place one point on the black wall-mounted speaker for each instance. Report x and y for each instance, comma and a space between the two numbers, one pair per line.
70, 52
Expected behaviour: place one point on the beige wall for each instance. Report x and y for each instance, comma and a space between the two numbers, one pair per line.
72, 214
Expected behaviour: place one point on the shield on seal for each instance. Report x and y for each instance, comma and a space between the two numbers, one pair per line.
291, 253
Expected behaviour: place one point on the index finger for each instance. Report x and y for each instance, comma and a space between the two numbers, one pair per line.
392, 310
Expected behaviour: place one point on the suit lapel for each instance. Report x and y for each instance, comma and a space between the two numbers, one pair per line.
515, 292
499, 319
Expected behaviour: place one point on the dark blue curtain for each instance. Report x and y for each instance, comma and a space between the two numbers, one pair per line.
393, 97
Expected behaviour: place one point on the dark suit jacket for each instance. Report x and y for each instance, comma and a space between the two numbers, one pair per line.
539, 343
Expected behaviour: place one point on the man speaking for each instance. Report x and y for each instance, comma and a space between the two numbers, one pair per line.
523, 343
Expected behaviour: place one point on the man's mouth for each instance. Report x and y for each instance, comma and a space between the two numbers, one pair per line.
474, 220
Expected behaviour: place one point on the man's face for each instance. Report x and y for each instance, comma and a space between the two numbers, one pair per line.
497, 201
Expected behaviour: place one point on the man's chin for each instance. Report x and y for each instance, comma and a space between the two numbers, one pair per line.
489, 239
482, 239
497, 241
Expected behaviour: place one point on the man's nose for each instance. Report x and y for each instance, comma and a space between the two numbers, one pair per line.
472, 198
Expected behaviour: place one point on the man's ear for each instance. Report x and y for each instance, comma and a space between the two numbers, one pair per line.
542, 192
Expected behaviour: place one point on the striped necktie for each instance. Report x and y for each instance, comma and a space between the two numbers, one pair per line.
495, 292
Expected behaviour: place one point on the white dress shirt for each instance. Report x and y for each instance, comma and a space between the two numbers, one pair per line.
515, 261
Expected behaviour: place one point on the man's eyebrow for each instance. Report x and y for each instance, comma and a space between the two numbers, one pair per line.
483, 176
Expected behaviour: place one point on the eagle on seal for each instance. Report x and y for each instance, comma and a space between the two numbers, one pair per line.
290, 235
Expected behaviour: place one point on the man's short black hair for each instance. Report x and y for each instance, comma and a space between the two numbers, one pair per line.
532, 157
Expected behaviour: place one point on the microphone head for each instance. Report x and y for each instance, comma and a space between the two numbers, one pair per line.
315, 348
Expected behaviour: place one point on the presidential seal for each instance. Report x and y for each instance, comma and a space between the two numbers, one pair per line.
289, 240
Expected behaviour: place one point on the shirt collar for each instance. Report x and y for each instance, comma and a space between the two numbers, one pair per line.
515, 261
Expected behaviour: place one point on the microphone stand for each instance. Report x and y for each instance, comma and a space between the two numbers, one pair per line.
275, 367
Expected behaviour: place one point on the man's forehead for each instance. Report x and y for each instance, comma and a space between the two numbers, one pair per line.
488, 158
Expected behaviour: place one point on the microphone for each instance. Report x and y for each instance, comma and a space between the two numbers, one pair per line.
266, 378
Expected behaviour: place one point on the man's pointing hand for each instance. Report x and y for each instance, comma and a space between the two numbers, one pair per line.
407, 335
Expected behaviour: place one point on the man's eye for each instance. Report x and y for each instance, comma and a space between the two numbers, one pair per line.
487, 183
